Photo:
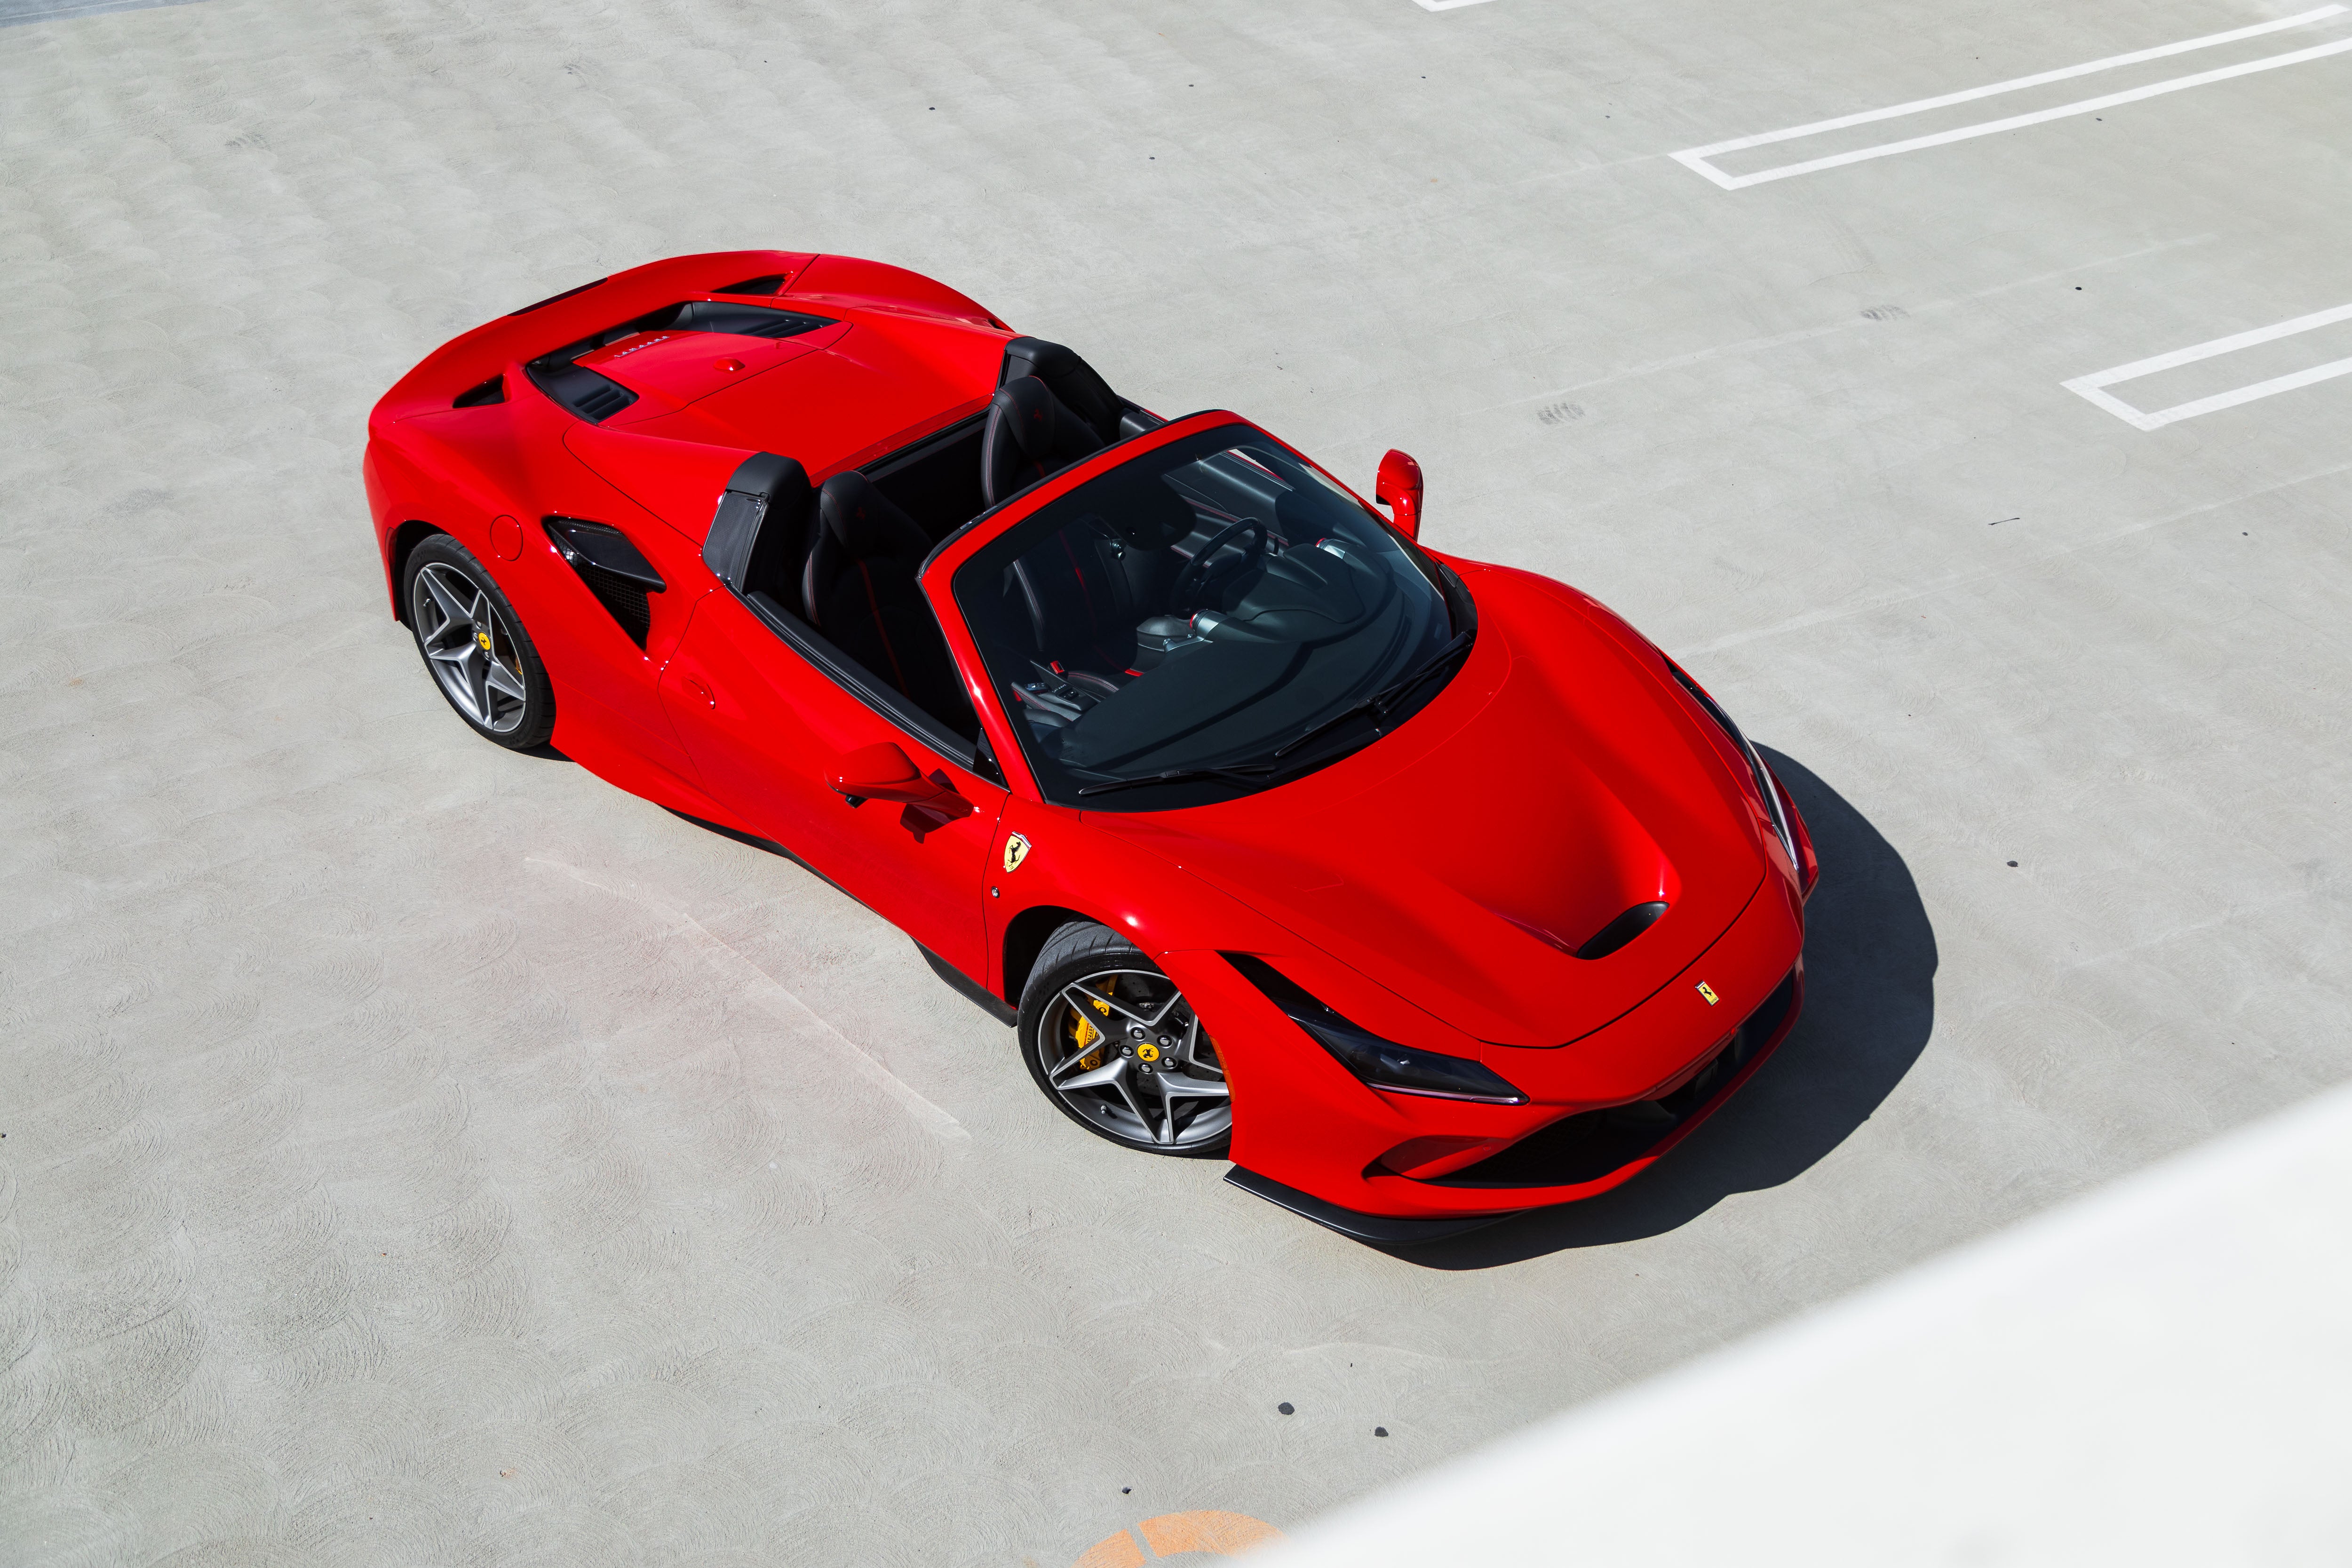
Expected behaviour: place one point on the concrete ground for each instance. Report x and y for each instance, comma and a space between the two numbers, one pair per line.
416, 1154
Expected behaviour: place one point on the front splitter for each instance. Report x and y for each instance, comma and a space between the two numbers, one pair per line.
1380, 1229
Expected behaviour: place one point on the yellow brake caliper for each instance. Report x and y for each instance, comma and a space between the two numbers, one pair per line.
1086, 1034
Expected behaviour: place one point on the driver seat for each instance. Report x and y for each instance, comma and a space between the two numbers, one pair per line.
1050, 409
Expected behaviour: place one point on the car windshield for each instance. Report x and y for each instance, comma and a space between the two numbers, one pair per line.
1205, 619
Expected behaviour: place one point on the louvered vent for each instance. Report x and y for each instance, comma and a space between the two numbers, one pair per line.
602, 402
594, 397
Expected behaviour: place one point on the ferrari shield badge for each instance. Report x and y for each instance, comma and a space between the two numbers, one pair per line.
1707, 991
1016, 849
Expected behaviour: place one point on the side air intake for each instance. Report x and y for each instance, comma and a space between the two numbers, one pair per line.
491, 390
612, 568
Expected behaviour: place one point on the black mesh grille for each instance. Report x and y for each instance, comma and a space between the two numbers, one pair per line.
1589, 1145
624, 599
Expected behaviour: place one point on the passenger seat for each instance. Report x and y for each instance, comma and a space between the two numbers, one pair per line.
860, 590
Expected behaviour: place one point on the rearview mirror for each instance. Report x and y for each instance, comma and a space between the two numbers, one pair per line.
1399, 489
882, 773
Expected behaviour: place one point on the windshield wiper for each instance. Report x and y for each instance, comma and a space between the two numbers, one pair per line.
1381, 702
1242, 772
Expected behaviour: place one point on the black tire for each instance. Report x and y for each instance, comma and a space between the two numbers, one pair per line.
1143, 1108
480, 656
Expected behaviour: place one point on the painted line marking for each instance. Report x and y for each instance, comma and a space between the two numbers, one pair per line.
773, 999
1696, 157
1447, 5
1779, 340
2094, 386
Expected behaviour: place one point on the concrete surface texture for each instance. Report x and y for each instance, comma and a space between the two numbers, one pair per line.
417, 1153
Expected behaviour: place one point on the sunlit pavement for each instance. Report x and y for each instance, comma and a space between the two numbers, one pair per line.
417, 1152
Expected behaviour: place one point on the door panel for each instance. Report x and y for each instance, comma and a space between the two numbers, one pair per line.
766, 727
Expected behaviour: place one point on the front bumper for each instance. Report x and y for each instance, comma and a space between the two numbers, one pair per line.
1576, 1157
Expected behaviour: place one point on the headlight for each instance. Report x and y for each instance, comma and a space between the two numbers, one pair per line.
1383, 1064
1765, 787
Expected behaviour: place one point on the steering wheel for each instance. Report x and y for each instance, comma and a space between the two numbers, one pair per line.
1195, 576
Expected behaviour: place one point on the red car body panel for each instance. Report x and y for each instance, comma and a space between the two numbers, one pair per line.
1431, 885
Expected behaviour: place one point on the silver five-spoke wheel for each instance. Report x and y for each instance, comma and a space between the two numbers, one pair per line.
1120, 1050
1133, 1056
474, 652
478, 649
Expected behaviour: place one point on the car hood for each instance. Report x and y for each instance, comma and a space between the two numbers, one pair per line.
1560, 779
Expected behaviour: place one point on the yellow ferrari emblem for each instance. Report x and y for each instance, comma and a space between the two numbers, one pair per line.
1706, 994
1016, 849
1148, 1052
484, 639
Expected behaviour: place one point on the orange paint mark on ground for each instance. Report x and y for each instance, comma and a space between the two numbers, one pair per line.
1112, 1552
1170, 1534
1205, 1529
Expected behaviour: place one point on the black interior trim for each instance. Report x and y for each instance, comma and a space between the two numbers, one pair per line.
851, 677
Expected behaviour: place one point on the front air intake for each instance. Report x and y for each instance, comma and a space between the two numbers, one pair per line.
1622, 930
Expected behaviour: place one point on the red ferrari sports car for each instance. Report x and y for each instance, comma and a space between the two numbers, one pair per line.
1427, 891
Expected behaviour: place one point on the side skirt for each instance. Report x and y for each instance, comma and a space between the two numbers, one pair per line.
970, 990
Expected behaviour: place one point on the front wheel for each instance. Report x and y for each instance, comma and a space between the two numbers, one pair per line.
1113, 1043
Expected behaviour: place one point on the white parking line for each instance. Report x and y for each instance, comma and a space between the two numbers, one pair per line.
2092, 386
1696, 157
1447, 5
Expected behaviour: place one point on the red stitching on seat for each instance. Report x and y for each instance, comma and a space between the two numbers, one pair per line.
1094, 622
882, 631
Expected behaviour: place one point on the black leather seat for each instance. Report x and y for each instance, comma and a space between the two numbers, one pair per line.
1089, 589
1030, 433
1050, 410
859, 589
1069, 378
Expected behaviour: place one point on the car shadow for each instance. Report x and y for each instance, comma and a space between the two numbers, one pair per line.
1870, 1004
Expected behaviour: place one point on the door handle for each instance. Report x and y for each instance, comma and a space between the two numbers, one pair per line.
697, 688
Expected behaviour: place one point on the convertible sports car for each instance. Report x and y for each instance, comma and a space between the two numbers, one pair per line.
1428, 891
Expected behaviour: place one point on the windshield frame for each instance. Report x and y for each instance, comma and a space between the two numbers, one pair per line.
1009, 739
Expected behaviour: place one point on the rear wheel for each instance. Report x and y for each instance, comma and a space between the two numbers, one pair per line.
473, 644
1114, 1044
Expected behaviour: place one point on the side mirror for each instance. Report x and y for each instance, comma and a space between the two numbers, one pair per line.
1399, 489
882, 773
